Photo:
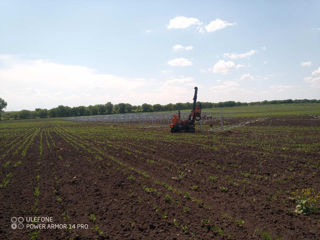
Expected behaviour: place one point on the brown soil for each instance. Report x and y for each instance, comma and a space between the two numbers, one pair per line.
128, 184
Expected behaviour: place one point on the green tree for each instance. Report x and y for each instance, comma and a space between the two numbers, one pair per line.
102, 109
109, 108
146, 107
128, 107
157, 107
3, 105
42, 113
93, 110
120, 108
25, 114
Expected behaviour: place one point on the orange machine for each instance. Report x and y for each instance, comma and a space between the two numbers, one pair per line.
178, 125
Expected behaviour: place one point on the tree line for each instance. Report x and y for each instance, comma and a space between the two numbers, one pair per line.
109, 108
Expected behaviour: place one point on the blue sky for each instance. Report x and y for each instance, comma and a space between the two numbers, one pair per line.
90, 52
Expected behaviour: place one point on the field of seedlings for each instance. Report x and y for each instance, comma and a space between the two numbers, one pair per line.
100, 180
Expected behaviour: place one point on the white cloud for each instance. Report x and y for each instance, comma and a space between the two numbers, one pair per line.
180, 62
30, 84
234, 91
314, 80
182, 22
182, 87
306, 64
240, 66
182, 81
240, 55
247, 76
223, 67
217, 24
282, 87
166, 71
316, 72
179, 47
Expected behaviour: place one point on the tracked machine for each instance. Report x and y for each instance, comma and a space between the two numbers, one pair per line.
188, 125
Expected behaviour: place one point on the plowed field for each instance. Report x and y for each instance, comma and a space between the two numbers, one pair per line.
105, 181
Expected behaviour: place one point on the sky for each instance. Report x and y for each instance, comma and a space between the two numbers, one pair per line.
91, 52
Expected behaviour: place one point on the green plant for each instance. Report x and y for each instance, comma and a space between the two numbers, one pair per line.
266, 236
92, 217
164, 215
240, 222
131, 177
187, 195
185, 228
149, 190
36, 191
194, 187
186, 209
308, 201
168, 198
224, 189
205, 222
213, 178
175, 222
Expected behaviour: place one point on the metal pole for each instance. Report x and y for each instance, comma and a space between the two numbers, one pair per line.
221, 119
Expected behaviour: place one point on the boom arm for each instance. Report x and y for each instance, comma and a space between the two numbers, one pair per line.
196, 111
195, 98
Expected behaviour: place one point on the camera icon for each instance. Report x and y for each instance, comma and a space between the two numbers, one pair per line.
14, 226
17, 222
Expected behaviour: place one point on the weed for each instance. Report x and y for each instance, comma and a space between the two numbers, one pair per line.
308, 201
92, 217
224, 189
240, 222
195, 187
266, 236
33, 235
17, 163
168, 198
150, 161
131, 177
175, 222
149, 190
186, 209
36, 191
6, 164
245, 174
213, 178
205, 222
184, 228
